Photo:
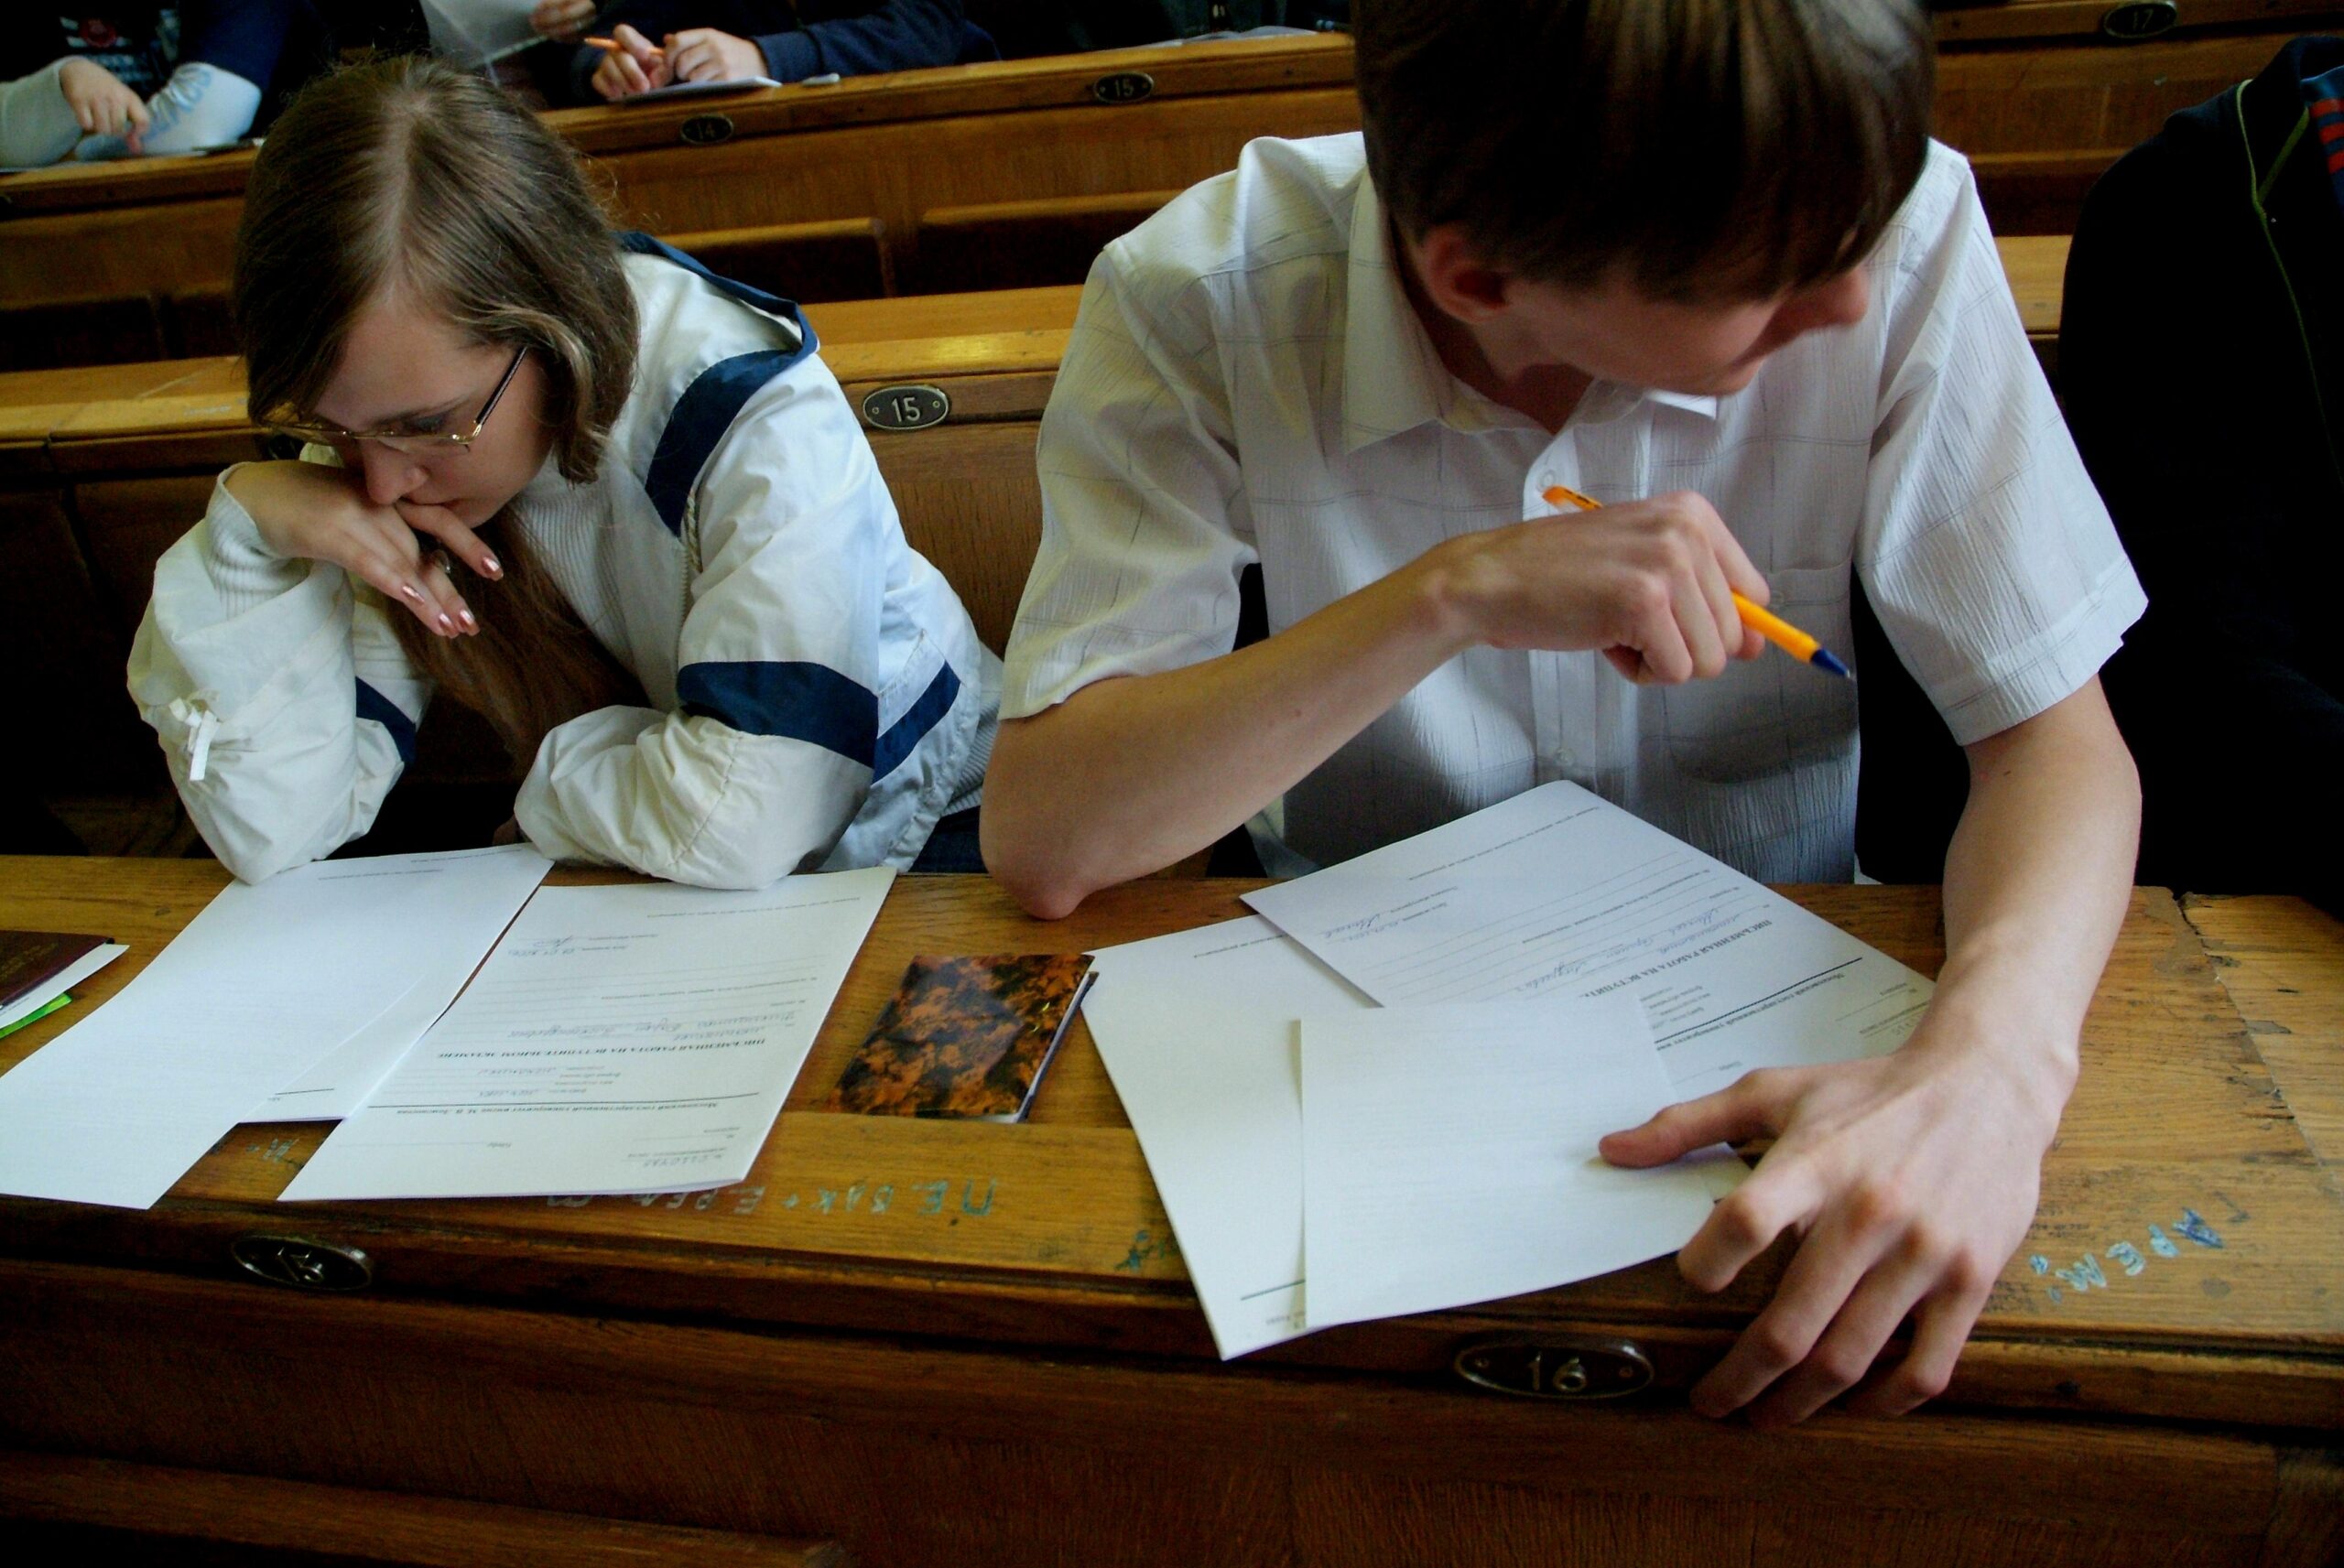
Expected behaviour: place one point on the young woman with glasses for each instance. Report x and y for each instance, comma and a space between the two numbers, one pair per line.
571, 480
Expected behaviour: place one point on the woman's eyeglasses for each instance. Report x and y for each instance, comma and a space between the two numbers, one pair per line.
415, 443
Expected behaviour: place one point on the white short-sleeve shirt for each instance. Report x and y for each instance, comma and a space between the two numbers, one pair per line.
1247, 382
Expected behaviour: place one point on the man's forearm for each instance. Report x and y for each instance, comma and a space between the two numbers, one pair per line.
2036, 882
1129, 775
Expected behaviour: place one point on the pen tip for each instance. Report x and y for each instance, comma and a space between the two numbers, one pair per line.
1823, 658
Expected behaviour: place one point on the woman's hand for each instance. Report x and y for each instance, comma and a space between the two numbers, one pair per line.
310, 511
637, 65
100, 104
703, 54
565, 21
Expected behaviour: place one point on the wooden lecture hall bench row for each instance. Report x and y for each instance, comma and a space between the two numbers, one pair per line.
963, 1344
101, 468
1012, 174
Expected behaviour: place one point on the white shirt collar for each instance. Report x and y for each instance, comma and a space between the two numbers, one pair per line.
1393, 379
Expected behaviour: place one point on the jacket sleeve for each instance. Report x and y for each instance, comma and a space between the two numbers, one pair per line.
780, 684
903, 35
37, 125
285, 705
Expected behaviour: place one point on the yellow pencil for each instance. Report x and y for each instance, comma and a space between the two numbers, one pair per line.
1767, 624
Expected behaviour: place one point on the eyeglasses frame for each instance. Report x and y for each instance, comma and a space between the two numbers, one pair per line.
406, 441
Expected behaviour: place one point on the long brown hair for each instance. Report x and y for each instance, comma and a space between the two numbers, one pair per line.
411, 174
1710, 148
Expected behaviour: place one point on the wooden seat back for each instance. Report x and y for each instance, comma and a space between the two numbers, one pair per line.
1013, 173
101, 468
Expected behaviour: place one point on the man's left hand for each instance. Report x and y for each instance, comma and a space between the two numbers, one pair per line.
1910, 1179
703, 54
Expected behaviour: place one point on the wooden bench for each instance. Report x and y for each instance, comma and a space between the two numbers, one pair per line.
101, 468
1015, 170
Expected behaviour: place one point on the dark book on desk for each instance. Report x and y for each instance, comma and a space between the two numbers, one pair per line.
30, 959
966, 1038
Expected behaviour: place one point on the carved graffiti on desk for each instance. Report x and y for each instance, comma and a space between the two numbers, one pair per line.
936, 1199
2086, 1274
1146, 1245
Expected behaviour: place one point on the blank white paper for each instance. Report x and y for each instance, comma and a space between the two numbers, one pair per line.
262, 985
438, 954
1556, 892
1448, 1153
629, 1039
1197, 1030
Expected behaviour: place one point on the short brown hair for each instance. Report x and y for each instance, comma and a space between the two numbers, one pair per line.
412, 173
1706, 148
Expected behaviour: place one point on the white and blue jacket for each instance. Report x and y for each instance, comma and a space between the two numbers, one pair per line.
818, 697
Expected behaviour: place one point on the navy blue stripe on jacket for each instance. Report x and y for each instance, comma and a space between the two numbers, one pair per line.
716, 396
799, 700
374, 705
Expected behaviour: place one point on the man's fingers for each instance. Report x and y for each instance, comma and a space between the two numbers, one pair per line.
1845, 1353
1827, 1267
1697, 621
1752, 1105
694, 61
139, 117
1940, 1327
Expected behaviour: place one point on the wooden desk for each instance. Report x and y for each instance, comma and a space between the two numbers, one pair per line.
974, 1344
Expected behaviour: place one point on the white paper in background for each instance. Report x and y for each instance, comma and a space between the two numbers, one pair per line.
1558, 891
1448, 1153
264, 983
1197, 1031
625, 1039
478, 32
697, 90
64, 981
437, 954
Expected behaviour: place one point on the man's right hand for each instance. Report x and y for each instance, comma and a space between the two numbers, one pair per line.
1649, 583
637, 65
565, 21
102, 106
312, 512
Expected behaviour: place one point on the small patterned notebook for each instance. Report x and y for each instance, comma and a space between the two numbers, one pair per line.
966, 1038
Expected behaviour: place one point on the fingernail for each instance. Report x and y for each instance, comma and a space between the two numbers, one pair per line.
447, 625
495, 568
469, 620
411, 591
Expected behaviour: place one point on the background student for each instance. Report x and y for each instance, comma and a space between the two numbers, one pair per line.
1358, 364
664, 41
615, 504
2218, 438
128, 80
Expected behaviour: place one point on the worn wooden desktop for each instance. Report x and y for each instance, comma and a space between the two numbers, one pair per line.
943, 1343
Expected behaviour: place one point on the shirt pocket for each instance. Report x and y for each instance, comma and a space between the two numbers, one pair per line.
1773, 715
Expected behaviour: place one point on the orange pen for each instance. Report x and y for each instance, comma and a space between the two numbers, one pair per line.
610, 46
1767, 624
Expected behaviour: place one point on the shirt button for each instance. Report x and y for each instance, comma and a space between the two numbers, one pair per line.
1564, 758
1546, 479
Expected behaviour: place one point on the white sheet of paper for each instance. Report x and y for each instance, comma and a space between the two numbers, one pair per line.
438, 956
1448, 1153
259, 987
1558, 891
64, 981
697, 90
1197, 1031
624, 1039
475, 33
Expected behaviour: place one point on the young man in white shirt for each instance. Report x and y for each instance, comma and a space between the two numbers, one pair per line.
1702, 263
